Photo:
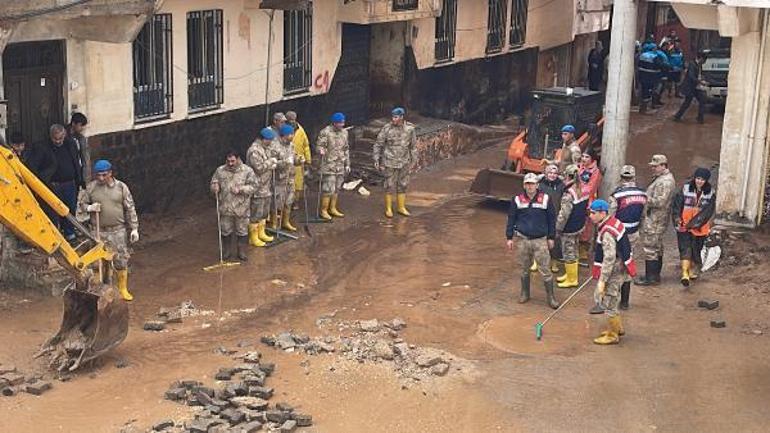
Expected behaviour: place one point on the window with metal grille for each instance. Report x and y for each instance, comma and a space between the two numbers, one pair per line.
519, 23
205, 59
153, 75
498, 13
405, 5
297, 49
446, 31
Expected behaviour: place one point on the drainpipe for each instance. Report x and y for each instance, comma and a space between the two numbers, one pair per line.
754, 111
271, 14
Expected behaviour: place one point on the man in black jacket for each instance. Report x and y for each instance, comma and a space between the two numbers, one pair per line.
693, 87
67, 174
40, 163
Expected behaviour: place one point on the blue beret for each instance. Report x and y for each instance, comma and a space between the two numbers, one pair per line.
600, 205
267, 133
338, 118
568, 128
398, 111
102, 165
286, 129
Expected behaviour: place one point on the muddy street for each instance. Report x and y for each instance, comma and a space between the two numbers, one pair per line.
444, 271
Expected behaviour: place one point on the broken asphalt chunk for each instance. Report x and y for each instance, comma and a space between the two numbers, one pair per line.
154, 325
708, 304
718, 324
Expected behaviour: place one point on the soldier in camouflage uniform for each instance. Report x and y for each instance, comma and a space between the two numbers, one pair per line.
282, 149
259, 159
569, 225
532, 220
660, 194
570, 150
613, 263
112, 200
234, 183
395, 153
333, 148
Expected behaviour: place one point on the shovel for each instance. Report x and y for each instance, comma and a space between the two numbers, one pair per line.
222, 263
539, 326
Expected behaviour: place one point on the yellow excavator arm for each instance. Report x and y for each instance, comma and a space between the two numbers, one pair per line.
95, 318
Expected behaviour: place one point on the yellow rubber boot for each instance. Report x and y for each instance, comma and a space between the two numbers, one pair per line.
401, 200
533, 268
122, 275
324, 211
685, 273
333, 209
254, 239
287, 219
263, 236
611, 335
571, 269
389, 205
621, 329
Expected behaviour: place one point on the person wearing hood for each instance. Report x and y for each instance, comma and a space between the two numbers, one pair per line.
692, 211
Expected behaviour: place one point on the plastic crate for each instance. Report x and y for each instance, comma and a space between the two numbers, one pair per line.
553, 108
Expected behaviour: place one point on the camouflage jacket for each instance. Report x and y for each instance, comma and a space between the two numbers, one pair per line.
116, 201
396, 146
660, 194
337, 152
284, 154
236, 186
257, 157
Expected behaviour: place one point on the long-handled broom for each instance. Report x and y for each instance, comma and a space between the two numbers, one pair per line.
539, 326
222, 263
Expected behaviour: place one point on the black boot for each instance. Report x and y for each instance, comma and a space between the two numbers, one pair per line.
226, 251
625, 294
243, 242
651, 275
552, 302
524, 296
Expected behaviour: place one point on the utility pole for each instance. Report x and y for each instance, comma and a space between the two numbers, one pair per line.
619, 89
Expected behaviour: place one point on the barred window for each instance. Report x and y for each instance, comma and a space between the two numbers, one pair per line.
498, 13
519, 14
297, 49
446, 31
404, 5
153, 75
205, 69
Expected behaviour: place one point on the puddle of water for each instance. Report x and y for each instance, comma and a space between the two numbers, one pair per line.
516, 335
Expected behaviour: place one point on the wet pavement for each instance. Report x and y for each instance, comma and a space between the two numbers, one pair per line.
446, 272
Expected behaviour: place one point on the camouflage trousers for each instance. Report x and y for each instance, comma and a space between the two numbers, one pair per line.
331, 183
396, 179
534, 250
260, 207
284, 193
116, 240
231, 223
652, 241
569, 246
611, 298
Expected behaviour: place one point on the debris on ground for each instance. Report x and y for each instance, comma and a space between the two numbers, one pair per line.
154, 325
372, 341
240, 404
718, 324
13, 381
708, 304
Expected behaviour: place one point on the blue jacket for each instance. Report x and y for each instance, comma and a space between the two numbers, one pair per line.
631, 201
577, 218
533, 219
676, 60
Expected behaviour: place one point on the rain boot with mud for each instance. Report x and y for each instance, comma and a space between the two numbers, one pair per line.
323, 212
286, 219
388, 205
524, 295
226, 253
552, 302
333, 209
242, 244
273, 221
401, 200
651, 274
254, 239
122, 277
263, 236
611, 335
685, 273
571, 269
625, 295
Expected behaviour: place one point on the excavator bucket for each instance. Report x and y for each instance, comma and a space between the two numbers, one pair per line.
497, 184
94, 321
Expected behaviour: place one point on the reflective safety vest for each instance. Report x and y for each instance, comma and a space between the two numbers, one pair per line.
617, 229
577, 218
694, 203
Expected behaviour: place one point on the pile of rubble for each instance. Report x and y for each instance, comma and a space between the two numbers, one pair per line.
13, 381
371, 341
174, 314
239, 405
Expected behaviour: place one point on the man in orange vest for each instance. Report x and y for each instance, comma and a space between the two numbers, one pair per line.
692, 211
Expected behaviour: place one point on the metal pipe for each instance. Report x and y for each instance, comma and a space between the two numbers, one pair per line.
755, 112
271, 14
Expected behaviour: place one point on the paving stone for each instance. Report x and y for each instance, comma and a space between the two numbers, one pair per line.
255, 403
428, 360
261, 392
708, 304
205, 389
176, 394
252, 357
267, 339
190, 384
167, 423
204, 398
253, 380
8, 391
237, 389
37, 388
440, 369
303, 420
288, 426
193, 401
213, 409
285, 341
5, 369
718, 324
251, 427
154, 325
369, 325
401, 349
202, 425
233, 416
285, 407
224, 374
13, 379
398, 324
268, 368
276, 416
